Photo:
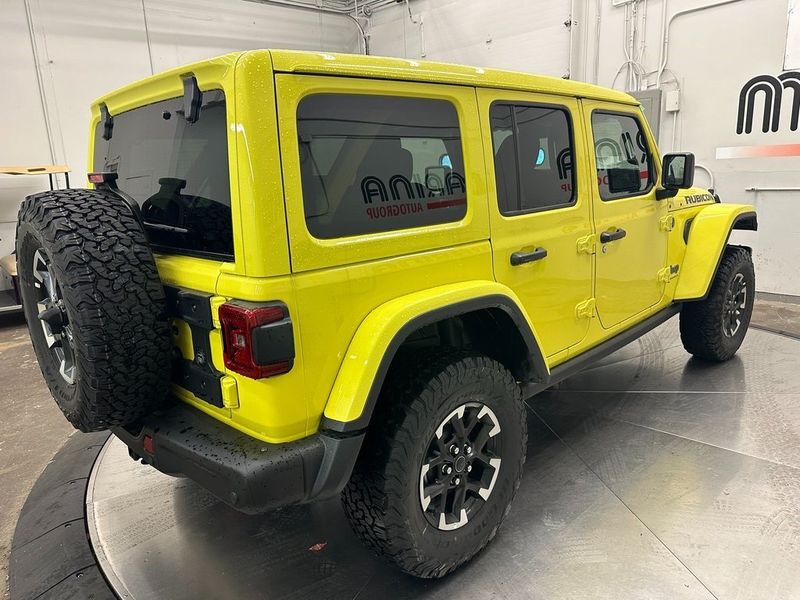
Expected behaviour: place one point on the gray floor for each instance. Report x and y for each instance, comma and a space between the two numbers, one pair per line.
32, 429
650, 475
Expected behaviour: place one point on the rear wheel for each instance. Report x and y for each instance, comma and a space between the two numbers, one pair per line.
714, 328
441, 462
95, 306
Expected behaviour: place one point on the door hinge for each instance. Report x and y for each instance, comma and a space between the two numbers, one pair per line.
666, 223
585, 310
587, 244
668, 273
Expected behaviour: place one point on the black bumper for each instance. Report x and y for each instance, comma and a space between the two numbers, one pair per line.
248, 474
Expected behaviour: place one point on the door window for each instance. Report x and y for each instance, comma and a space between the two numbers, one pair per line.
532, 157
624, 167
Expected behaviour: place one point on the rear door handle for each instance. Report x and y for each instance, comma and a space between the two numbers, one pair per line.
520, 258
612, 236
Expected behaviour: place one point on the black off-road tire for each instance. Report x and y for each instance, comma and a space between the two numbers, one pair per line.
382, 498
110, 298
703, 323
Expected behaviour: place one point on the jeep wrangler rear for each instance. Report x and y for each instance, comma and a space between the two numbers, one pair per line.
302, 274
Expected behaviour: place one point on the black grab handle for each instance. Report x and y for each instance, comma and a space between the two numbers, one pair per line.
520, 258
611, 236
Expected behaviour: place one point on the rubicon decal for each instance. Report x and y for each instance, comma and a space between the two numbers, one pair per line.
698, 198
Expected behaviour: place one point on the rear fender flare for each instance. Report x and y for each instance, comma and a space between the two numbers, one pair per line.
358, 384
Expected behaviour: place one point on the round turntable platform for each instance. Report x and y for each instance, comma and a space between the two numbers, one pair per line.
649, 475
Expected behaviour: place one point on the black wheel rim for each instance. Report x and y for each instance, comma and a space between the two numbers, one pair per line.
53, 316
734, 306
460, 467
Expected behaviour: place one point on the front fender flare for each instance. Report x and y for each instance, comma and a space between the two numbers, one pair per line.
360, 378
708, 235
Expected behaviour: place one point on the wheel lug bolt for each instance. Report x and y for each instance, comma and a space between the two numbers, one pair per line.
453, 449
468, 449
448, 469
469, 468
457, 480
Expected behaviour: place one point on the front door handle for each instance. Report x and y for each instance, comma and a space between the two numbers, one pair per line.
520, 258
612, 236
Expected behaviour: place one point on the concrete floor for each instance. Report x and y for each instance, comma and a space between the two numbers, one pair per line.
32, 428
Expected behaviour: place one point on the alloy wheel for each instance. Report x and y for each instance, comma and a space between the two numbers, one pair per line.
461, 466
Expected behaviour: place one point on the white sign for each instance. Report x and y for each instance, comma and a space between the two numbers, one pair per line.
792, 59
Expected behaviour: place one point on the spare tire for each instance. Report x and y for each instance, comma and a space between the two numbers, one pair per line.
95, 306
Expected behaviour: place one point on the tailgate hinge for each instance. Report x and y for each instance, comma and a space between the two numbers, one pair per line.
587, 244
666, 223
585, 309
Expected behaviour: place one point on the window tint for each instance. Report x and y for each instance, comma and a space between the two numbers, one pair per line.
623, 160
532, 157
176, 171
379, 163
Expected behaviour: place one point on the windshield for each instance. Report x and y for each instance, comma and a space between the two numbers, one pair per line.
176, 171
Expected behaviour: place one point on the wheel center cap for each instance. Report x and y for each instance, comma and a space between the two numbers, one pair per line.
460, 464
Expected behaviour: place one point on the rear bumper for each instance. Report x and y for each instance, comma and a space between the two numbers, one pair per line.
248, 474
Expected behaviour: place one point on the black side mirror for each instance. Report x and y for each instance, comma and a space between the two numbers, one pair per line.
677, 173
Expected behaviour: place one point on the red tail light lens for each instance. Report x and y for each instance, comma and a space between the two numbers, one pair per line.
258, 340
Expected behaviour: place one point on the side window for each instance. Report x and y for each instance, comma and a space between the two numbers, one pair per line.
623, 159
532, 157
379, 163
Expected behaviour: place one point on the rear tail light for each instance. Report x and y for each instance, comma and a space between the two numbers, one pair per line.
258, 340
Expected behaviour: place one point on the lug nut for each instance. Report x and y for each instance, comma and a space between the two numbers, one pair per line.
447, 469
468, 449
453, 449
469, 468
457, 480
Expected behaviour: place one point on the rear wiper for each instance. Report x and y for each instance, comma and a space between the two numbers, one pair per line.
162, 227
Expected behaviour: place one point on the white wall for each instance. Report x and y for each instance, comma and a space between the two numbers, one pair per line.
87, 48
521, 35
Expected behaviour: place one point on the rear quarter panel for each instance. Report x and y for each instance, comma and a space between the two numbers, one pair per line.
339, 282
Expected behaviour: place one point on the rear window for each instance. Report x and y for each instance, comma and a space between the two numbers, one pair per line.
379, 163
176, 171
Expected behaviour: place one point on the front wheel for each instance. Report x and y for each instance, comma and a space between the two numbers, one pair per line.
714, 328
441, 462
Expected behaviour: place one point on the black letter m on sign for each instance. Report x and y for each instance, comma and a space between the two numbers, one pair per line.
773, 89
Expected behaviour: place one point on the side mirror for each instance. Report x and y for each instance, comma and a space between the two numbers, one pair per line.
677, 173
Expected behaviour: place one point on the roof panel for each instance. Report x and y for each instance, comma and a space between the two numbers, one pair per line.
357, 65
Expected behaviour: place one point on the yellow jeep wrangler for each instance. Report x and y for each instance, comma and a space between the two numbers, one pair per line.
303, 274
